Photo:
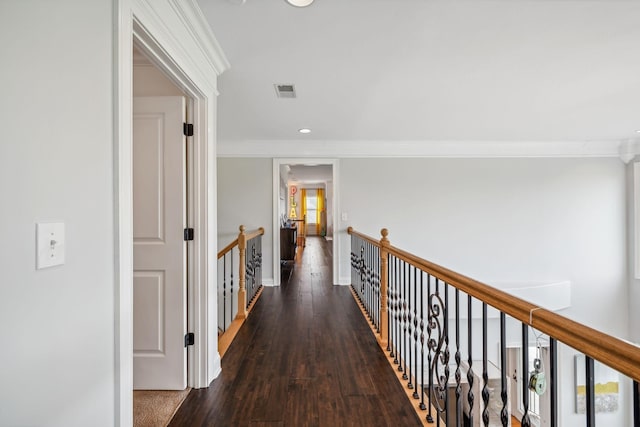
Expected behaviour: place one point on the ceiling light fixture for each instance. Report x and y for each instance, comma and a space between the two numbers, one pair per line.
304, 130
638, 131
299, 3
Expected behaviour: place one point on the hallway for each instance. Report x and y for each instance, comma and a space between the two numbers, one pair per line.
304, 357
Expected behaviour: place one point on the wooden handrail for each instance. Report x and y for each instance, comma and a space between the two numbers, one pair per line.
616, 353
249, 236
227, 248
371, 240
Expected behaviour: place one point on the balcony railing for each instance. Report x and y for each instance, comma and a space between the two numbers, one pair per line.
239, 283
436, 326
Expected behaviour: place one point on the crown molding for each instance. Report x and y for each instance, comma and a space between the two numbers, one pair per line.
629, 148
194, 20
444, 149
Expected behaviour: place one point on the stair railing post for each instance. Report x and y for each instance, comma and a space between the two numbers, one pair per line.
384, 318
242, 274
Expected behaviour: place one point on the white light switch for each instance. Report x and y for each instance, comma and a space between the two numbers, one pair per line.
50, 244
344, 216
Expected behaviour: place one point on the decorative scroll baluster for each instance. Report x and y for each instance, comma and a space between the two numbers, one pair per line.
504, 413
415, 330
526, 422
485, 373
590, 391
470, 374
439, 344
457, 358
446, 354
553, 381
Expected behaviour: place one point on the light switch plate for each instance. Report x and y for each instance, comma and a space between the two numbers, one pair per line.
344, 216
49, 244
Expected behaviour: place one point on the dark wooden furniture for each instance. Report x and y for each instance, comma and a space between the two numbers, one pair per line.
288, 237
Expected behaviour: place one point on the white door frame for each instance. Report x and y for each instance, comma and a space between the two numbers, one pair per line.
176, 37
334, 163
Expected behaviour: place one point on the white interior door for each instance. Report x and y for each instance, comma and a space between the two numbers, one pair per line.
159, 249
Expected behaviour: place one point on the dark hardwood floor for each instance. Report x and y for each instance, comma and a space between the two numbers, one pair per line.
304, 357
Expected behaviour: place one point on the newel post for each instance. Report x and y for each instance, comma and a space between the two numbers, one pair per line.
384, 276
242, 274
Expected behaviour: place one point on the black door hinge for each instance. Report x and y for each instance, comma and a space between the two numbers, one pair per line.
189, 339
187, 129
188, 234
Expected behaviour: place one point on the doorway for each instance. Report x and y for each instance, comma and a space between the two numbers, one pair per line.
161, 150
160, 216
306, 191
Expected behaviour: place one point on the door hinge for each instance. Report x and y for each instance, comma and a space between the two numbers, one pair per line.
189, 339
187, 129
188, 234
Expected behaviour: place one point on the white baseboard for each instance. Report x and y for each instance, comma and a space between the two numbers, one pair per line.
344, 281
268, 282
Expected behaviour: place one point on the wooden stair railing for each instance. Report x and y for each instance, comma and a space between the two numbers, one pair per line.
388, 282
249, 265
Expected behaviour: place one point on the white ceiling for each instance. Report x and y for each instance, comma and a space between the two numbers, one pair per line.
430, 70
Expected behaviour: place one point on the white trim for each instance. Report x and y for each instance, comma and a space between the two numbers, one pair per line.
192, 59
335, 168
635, 191
267, 282
629, 149
448, 149
345, 281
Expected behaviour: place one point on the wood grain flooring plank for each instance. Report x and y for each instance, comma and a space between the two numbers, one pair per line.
304, 357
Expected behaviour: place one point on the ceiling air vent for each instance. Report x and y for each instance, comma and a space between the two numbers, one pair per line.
285, 90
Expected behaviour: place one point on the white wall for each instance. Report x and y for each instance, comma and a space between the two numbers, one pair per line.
245, 197
504, 220
57, 325
633, 196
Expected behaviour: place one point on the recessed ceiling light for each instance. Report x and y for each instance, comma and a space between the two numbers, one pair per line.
638, 131
299, 3
304, 130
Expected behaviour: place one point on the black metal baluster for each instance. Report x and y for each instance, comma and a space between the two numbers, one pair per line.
415, 331
405, 343
504, 413
526, 422
485, 373
397, 312
224, 293
470, 374
409, 328
390, 304
429, 349
231, 305
457, 358
446, 353
422, 404
590, 391
553, 380
636, 404
403, 328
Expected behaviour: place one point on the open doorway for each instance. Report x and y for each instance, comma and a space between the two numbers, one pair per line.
306, 208
161, 211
